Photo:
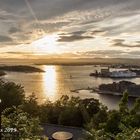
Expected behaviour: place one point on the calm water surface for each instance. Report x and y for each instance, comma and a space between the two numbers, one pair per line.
60, 80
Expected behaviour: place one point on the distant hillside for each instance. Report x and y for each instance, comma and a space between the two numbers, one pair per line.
70, 61
2, 73
20, 68
88, 61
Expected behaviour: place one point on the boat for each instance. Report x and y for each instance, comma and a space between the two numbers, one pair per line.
122, 74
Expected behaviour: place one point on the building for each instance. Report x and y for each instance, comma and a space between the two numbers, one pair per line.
105, 72
123, 74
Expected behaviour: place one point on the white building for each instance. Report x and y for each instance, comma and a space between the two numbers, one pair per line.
122, 74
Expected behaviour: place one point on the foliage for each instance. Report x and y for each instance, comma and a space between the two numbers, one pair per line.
70, 116
30, 105
122, 124
102, 124
136, 107
69, 111
26, 126
123, 105
11, 94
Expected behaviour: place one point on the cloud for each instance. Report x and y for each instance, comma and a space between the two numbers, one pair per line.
13, 30
76, 20
78, 33
103, 53
5, 39
121, 43
6, 16
98, 32
73, 38
109, 54
48, 26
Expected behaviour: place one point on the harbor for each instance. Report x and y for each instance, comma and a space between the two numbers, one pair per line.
116, 73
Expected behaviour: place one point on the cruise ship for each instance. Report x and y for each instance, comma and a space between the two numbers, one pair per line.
122, 74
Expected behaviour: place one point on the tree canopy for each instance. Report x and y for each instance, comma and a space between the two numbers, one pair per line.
26, 115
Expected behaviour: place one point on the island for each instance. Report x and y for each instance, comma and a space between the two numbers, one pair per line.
137, 71
117, 88
20, 68
2, 73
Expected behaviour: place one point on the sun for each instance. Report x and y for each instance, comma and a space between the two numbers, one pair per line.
46, 44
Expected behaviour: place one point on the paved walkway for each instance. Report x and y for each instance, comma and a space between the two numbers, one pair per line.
78, 133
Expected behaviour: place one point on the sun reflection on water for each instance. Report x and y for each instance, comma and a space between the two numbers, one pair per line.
50, 82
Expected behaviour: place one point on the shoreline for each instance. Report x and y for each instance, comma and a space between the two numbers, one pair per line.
100, 76
20, 68
92, 90
2, 73
116, 94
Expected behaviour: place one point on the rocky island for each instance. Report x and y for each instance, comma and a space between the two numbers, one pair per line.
20, 68
137, 71
117, 88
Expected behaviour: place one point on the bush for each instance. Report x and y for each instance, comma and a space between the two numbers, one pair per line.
11, 94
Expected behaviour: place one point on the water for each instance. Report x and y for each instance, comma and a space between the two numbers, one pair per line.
60, 80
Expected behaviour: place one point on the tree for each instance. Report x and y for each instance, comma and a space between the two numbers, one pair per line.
136, 107
100, 118
123, 105
11, 94
71, 117
30, 105
113, 122
128, 134
91, 105
26, 126
99, 135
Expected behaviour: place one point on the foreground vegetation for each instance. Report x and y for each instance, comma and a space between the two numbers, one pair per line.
26, 115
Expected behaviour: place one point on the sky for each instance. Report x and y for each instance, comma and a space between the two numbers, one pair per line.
70, 28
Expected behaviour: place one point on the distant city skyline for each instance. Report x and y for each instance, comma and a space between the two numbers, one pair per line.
70, 28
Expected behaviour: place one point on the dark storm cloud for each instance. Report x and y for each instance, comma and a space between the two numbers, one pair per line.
5, 39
